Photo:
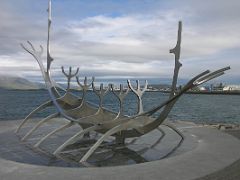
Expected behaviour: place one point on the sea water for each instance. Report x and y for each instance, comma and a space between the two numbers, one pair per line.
199, 108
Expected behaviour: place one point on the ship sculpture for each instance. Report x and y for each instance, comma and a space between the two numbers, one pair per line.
104, 122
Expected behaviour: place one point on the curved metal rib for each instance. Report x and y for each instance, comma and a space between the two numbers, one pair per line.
39, 108
79, 135
85, 86
179, 143
120, 138
98, 143
37, 56
101, 94
69, 76
65, 126
39, 124
139, 93
120, 96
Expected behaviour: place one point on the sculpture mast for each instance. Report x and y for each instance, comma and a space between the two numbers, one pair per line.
176, 51
49, 58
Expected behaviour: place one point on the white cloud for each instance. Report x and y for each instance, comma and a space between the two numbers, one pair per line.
133, 44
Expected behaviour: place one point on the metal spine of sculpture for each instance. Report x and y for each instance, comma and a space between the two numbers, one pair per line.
77, 110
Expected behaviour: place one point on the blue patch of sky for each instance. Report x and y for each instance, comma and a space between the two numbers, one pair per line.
81, 9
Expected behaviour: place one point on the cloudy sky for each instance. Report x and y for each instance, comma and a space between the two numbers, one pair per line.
122, 38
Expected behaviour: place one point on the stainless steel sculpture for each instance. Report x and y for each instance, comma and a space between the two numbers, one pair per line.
77, 110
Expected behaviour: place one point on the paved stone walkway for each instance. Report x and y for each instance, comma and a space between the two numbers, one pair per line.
216, 151
231, 172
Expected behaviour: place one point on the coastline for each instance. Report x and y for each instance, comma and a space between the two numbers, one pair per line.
206, 92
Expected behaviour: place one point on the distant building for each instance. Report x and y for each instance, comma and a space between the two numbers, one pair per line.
217, 87
203, 88
231, 88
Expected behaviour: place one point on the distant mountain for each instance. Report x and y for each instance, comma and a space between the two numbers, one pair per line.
9, 82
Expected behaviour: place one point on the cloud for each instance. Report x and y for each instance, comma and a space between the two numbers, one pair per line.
127, 43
